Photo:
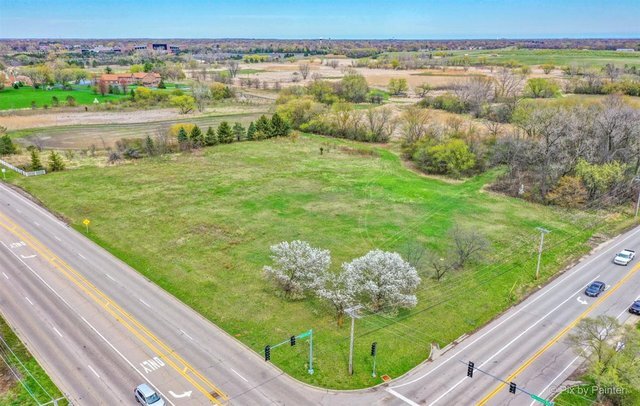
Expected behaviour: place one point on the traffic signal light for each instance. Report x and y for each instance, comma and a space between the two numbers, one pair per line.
267, 352
470, 369
512, 387
293, 340
374, 348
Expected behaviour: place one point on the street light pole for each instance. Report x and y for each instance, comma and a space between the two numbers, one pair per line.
543, 231
353, 313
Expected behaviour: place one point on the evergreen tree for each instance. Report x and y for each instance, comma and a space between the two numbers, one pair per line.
239, 131
183, 138
196, 136
211, 138
36, 165
132, 94
279, 127
225, 134
161, 85
149, 147
7, 147
251, 132
55, 162
263, 128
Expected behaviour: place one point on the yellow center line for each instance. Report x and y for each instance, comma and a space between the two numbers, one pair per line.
558, 336
124, 318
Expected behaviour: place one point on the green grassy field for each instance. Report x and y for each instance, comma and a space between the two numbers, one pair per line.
34, 377
200, 226
558, 57
21, 98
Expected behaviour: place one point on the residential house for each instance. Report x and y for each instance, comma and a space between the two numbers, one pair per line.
147, 79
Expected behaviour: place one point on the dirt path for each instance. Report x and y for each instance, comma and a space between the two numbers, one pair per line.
26, 119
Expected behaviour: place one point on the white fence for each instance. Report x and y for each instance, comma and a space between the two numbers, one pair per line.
22, 172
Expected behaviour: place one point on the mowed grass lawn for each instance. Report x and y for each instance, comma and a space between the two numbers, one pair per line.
22, 97
200, 225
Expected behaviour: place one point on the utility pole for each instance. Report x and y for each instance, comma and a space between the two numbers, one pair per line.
637, 179
353, 313
543, 231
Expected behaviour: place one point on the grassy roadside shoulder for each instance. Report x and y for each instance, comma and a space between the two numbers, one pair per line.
16, 362
200, 226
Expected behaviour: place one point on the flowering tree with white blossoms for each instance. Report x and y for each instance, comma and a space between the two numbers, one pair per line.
382, 280
298, 267
338, 291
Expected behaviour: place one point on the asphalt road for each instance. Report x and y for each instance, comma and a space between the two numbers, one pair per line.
99, 328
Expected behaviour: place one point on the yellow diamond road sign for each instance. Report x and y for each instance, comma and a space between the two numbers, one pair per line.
86, 222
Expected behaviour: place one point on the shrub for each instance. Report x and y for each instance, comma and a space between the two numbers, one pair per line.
541, 88
569, 192
450, 158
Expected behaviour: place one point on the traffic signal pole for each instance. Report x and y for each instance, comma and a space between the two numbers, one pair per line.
513, 387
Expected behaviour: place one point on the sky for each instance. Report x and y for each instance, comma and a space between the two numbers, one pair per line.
338, 19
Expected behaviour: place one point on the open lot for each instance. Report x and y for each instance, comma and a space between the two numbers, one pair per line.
558, 57
200, 226
21, 98
103, 136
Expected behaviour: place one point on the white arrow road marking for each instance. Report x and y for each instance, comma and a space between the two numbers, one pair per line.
28, 256
584, 302
183, 395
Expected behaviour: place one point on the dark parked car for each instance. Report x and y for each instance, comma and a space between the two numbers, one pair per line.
635, 308
595, 289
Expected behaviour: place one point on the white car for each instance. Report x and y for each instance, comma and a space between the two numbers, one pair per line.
624, 257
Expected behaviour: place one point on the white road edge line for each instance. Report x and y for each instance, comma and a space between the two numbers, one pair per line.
73, 310
56, 330
566, 276
555, 379
504, 347
402, 397
144, 303
35, 206
236, 372
187, 335
28, 300
126, 360
94, 371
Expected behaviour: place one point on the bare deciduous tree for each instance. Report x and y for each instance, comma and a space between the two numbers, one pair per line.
304, 69
232, 67
508, 84
381, 123
415, 124
467, 245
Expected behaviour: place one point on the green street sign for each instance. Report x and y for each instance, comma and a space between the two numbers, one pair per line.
541, 400
304, 335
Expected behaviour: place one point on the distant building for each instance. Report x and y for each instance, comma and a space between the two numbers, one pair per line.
625, 50
147, 79
157, 47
